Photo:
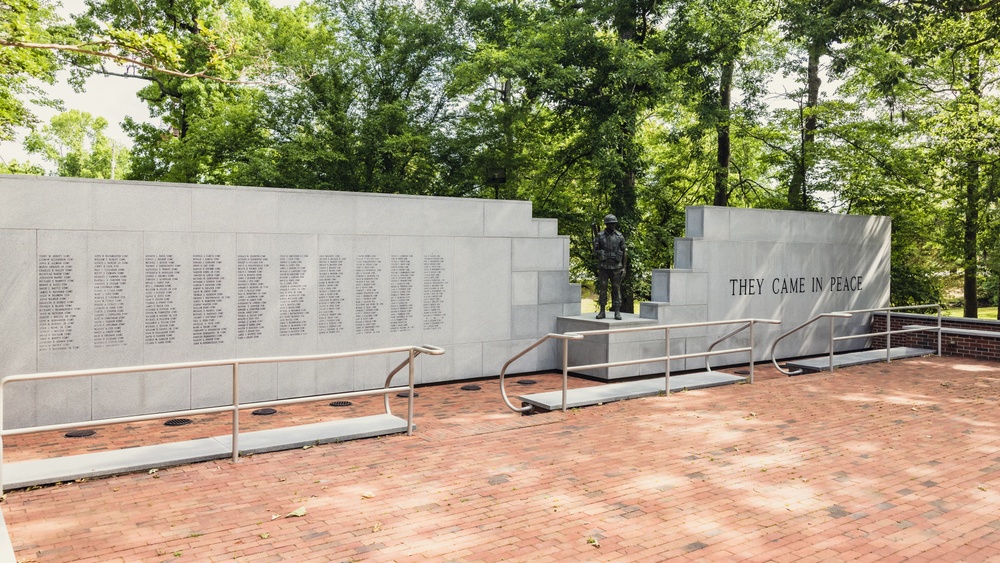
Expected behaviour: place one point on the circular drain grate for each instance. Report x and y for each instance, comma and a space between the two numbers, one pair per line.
341, 404
471, 387
526, 382
80, 433
178, 422
264, 412
406, 394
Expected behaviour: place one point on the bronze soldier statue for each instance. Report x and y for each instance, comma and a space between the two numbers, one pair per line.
609, 248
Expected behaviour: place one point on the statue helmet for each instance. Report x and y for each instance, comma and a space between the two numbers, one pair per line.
610, 220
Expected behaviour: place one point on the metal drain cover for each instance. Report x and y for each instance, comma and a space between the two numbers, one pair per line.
406, 394
341, 404
471, 387
266, 411
178, 422
526, 382
80, 433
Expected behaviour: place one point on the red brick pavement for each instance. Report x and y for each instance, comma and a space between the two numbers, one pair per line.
886, 462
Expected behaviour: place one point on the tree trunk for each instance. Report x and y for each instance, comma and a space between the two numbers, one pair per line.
624, 202
623, 205
970, 243
972, 196
722, 133
798, 193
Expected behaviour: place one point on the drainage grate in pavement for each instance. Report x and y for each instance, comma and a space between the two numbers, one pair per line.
178, 422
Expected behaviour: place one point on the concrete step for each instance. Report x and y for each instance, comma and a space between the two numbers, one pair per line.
599, 394
822, 363
114, 462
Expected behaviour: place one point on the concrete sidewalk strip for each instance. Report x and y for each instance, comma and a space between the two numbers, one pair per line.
115, 462
600, 394
822, 363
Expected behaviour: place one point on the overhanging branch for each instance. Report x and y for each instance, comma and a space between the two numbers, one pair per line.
132, 61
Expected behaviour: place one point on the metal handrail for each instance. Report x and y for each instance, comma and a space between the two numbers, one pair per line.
708, 366
774, 344
847, 314
666, 358
503, 371
235, 406
888, 328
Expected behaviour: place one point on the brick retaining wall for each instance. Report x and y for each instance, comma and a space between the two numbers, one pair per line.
970, 343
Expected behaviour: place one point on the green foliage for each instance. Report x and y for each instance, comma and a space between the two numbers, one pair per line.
75, 143
23, 20
16, 167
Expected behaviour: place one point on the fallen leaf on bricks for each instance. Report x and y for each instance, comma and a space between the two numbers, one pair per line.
377, 527
367, 495
300, 511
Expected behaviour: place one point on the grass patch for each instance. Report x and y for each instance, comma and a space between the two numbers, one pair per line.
590, 306
984, 312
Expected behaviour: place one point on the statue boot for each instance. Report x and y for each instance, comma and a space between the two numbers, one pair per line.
618, 316
600, 313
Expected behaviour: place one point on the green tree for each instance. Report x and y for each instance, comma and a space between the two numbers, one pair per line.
24, 20
400, 61
956, 67
203, 62
76, 144
729, 46
817, 27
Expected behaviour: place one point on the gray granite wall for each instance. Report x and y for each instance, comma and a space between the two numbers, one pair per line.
739, 263
100, 273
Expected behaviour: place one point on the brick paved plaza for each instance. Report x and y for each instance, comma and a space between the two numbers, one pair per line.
885, 462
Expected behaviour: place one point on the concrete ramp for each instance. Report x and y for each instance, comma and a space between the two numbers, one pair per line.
114, 462
822, 363
599, 394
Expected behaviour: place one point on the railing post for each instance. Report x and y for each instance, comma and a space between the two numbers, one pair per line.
751, 351
565, 370
666, 367
831, 343
888, 335
939, 329
236, 412
409, 400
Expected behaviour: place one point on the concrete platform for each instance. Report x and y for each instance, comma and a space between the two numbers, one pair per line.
599, 394
822, 363
114, 462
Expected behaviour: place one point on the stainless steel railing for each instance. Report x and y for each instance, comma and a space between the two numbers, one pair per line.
847, 314
832, 316
235, 407
666, 358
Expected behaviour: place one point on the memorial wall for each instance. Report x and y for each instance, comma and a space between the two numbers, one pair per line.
102, 273
769, 264
738, 263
